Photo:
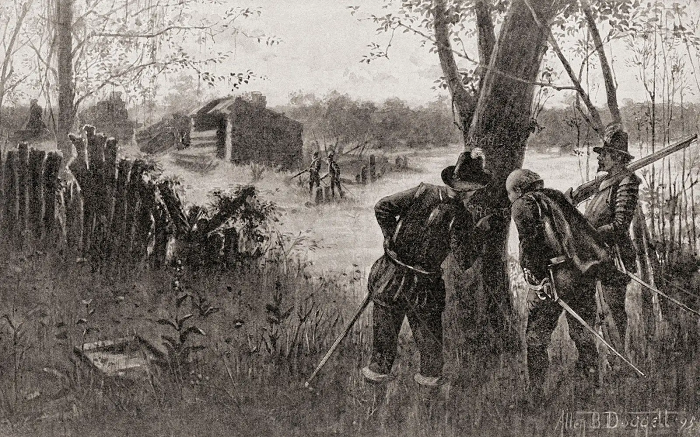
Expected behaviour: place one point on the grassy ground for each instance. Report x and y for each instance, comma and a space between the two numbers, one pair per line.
269, 332
273, 324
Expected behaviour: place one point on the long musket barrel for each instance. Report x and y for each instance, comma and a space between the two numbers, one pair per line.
300, 173
589, 188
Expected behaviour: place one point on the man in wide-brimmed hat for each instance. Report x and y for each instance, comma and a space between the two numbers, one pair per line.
421, 226
611, 210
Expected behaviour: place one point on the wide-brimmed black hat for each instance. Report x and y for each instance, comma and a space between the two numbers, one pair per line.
615, 140
468, 172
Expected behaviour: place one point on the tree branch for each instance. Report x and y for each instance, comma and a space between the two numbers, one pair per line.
435, 41
108, 80
464, 101
149, 35
597, 124
16, 83
486, 34
541, 84
47, 61
610, 90
9, 51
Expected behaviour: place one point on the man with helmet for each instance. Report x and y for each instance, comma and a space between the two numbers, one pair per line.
556, 244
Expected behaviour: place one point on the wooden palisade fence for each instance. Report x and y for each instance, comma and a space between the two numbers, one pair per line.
113, 214
30, 187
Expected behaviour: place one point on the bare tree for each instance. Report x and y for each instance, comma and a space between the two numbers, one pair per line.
127, 44
12, 40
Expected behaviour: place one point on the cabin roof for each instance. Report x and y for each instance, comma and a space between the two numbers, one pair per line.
226, 105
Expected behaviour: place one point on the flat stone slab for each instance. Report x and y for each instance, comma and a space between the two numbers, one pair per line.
128, 357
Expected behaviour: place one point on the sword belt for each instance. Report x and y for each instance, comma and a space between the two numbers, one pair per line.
394, 258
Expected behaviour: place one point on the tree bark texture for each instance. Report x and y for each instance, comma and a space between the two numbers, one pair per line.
461, 98
500, 126
66, 89
486, 36
501, 122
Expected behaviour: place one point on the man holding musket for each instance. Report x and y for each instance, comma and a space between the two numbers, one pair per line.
610, 211
334, 174
421, 226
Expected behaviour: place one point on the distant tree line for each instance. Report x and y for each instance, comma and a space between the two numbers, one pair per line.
564, 127
338, 119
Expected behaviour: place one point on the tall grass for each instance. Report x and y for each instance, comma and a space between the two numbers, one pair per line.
245, 377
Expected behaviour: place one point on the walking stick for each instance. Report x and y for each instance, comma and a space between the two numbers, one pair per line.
340, 338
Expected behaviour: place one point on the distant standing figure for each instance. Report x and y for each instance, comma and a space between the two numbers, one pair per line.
35, 125
314, 173
334, 175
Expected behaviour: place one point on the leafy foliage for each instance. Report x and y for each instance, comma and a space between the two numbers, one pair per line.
233, 229
128, 45
179, 349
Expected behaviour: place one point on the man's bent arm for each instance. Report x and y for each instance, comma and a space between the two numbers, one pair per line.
525, 213
390, 208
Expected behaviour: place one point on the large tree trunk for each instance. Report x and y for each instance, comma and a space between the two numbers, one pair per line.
500, 126
66, 90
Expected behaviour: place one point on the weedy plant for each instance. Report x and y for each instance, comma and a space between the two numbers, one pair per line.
257, 172
84, 321
276, 316
178, 344
18, 347
179, 350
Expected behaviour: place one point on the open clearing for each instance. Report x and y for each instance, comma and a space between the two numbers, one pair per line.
346, 232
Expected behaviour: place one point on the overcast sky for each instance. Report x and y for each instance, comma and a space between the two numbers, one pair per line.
321, 48
322, 45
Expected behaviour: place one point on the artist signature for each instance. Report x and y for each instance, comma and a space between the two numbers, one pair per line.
637, 423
